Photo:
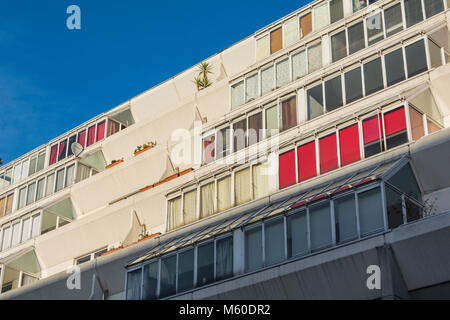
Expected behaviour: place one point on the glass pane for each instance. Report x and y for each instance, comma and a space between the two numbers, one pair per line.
260, 180
262, 48
314, 57
336, 10
393, 20
255, 128
353, 85
375, 31
134, 285
26, 229
72, 140
297, 234
320, 224
413, 12
395, 71
205, 264
31, 193
338, 46
314, 98
415, 58
370, 212
70, 176
321, 18
272, 121
288, 113
41, 161
359, 4
224, 258
253, 249
435, 54
373, 76
62, 151
394, 208
40, 189
333, 93
175, 216
32, 168
373, 136
6, 238
413, 211
186, 270
345, 218
356, 38
290, 32
299, 67
242, 186
237, 94
15, 234
190, 206
168, 276
239, 134
59, 180
22, 197
207, 200
405, 180
417, 127
433, 7
267, 80
35, 221
224, 194
274, 241
282, 73
223, 143
251, 87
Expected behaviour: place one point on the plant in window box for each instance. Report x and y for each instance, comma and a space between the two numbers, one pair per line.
114, 163
201, 80
144, 147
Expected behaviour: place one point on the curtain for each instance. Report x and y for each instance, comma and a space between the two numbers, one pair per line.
336, 10
134, 285
190, 207
223, 142
288, 114
113, 127
276, 40
328, 153
315, 57
393, 20
32, 168
242, 186
26, 229
305, 25
2, 206
91, 136
26, 280
255, 128
6, 238
9, 204
224, 194
299, 67
31, 193
251, 87
224, 258
237, 94
54, 154
15, 234
262, 48
416, 124
50, 184
174, 213
82, 172
22, 199
70, 176
207, 200
282, 73
272, 121
208, 149
62, 150
321, 17
260, 181
35, 225
82, 138
59, 180
239, 134
100, 131
290, 32
267, 80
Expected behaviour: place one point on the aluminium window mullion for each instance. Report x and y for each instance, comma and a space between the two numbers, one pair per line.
422, 2
358, 226
405, 65
384, 205
383, 130
427, 52
408, 121
141, 291
215, 259
405, 220
383, 70
263, 245
285, 237
333, 222
158, 279
402, 8
308, 229
324, 107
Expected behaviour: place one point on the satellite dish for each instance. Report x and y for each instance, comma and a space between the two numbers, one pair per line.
76, 148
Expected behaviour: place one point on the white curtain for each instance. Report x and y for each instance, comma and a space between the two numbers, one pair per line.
224, 258
82, 172
35, 221
190, 206
271, 121
224, 194
282, 73
267, 80
242, 186
262, 48
174, 213
260, 181
70, 175
299, 68
26, 229
207, 200
321, 17
237, 94
251, 87
290, 32
315, 57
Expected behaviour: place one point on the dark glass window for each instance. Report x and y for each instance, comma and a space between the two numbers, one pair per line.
168, 276
373, 76
395, 71
205, 264
356, 38
353, 85
336, 10
393, 20
150, 281
413, 12
416, 60
345, 218
297, 234
333, 93
186, 270
433, 7
375, 31
338, 46
315, 102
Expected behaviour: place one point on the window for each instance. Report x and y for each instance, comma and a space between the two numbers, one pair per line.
22, 197
299, 67
395, 71
405, 180
113, 127
72, 140
395, 128
315, 57
356, 38
253, 249
224, 258
82, 138
31, 193
373, 76
59, 180
321, 17
307, 161
6, 239
393, 20
100, 131
255, 128
32, 168
353, 85
9, 204
260, 180
224, 194
314, 97
190, 206
267, 80
168, 276
91, 136
70, 176
287, 169
336, 10
150, 281
251, 87
413, 12
262, 48
349, 145
83, 172
276, 40
223, 143
2, 206
338, 46
416, 60
274, 241
416, 120
282, 73
433, 7
207, 200
242, 185
134, 284
435, 54
62, 151
288, 114
26, 228
290, 32
333, 93
345, 218
175, 218
328, 153
237, 94
394, 207
205, 264
373, 136
370, 212
53, 154
359, 4
375, 31
239, 134
271, 121
208, 149
186, 270
15, 234
320, 224
306, 25
35, 225
297, 234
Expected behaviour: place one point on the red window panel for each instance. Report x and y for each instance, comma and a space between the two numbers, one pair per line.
287, 169
91, 136
328, 153
372, 129
394, 121
349, 145
54, 154
62, 150
307, 161
100, 131
209, 149
82, 138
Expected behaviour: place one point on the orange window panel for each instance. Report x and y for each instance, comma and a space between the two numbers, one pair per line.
9, 203
2, 206
416, 119
276, 40
306, 24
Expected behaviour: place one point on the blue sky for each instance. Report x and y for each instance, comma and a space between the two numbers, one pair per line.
53, 79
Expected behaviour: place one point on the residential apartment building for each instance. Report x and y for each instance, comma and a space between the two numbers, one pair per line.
319, 151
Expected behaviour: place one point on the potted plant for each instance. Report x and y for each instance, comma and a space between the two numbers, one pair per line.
114, 163
201, 80
144, 147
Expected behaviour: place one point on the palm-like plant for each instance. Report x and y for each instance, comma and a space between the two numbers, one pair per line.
202, 81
